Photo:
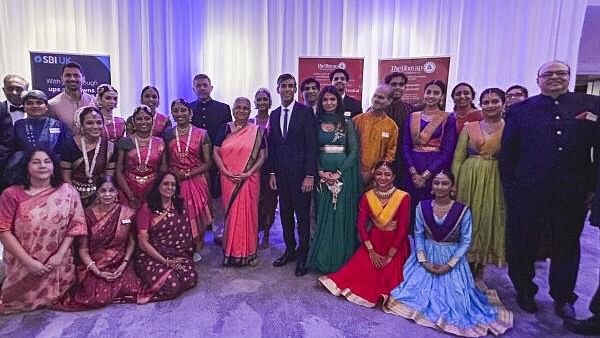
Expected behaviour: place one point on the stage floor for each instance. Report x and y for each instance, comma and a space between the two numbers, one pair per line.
272, 302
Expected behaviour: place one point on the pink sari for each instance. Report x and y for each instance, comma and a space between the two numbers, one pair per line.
40, 223
140, 178
160, 124
114, 131
239, 152
194, 190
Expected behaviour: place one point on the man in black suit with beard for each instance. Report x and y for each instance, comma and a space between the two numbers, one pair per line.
339, 79
292, 165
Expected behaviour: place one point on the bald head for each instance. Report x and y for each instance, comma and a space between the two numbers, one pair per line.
381, 98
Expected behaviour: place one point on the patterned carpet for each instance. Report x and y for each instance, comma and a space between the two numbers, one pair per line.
272, 302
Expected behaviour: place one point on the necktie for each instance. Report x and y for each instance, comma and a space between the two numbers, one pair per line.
285, 122
14, 108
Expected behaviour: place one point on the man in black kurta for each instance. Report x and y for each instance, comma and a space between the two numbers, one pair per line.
547, 175
210, 114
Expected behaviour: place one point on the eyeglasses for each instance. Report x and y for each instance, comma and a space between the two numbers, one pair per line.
559, 73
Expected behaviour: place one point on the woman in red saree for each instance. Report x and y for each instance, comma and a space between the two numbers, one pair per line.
239, 152
188, 150
104, 275
106, 99
39, 220
164, 262
140, 158
376, 268
151, 99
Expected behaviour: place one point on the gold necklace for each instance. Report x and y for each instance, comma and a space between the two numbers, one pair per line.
385, 195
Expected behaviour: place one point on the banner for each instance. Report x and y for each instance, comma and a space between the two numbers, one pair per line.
46, 71
320, 67
419, 71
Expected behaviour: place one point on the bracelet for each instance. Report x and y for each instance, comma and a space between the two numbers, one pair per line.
126, 260
90, 265
167, 262
369, 245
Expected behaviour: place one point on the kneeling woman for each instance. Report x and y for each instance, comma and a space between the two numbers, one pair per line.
105, 275
164, 264
438, 289
39, 219
376, 268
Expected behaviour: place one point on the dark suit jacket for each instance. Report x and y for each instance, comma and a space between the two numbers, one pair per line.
7, 133
352, 105
210, 115
546, 144
296, 155
595, 215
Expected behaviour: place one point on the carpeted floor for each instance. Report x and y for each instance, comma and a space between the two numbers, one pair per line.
272, 302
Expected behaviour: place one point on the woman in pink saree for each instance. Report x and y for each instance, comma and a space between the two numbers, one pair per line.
39, 220
239, 152
188, 150
140, 158
104, 273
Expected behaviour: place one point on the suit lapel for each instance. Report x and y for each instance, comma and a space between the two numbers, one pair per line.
293, 118
275, 124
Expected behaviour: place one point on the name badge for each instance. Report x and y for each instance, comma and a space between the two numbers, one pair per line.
347, 114
54, 130
126, 221
591, 117
385, 134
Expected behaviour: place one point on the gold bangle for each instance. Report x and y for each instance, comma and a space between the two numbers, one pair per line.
90, 265
369, 245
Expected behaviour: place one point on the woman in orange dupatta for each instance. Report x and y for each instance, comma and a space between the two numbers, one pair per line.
478, 182
39, 220
104, 275
239, 152
376, 268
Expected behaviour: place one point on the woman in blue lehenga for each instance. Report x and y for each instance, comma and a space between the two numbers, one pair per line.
438, 289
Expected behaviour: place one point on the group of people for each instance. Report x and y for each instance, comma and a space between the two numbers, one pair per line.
100, 210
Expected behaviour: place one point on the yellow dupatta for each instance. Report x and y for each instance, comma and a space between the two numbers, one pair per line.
486, 147
381, 215
422, 137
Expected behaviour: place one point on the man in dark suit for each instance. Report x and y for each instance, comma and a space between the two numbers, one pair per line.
339, 79
11, 110
591, 325
547, 175
292, 164
210, 115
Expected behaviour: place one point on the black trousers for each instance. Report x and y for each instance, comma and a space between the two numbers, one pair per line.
293, 202
595, 303
529, 213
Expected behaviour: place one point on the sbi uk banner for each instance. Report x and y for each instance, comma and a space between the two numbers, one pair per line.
320, 67
419, 70
46, 71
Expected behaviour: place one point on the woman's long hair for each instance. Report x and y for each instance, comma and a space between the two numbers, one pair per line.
339, 110
23, 178
155, 200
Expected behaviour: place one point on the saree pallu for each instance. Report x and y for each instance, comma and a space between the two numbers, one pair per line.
170, 234
140, 178
40, 223
194, 190
239, 152
108, 238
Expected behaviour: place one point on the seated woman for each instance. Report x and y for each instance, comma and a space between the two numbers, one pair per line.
239, 152
39, 219
88, 156
104, 275
376, 268
438, 289
164, 262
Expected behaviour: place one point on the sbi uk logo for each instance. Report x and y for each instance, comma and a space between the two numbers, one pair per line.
51, 59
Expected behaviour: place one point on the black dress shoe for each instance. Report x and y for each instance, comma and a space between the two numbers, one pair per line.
564, 310
301, 269
589, 327
283, 260
527, 303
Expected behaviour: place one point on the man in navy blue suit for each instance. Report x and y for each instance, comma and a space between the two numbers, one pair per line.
547, 175
11, 110
292, 165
